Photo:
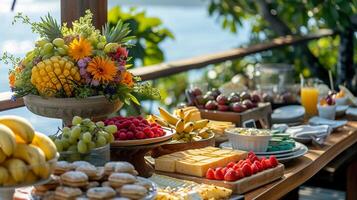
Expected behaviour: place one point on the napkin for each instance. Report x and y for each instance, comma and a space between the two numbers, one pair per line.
305, 131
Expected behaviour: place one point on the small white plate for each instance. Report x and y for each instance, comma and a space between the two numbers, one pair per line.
341, 110
352, 112
322, 121
228, 145
288, 114
296, 154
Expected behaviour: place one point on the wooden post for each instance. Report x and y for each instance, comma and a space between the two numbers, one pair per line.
73, 9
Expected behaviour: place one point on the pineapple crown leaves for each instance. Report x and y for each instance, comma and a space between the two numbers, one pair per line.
48, 27
118, 34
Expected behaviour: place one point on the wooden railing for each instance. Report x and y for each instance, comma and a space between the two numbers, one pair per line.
170, 68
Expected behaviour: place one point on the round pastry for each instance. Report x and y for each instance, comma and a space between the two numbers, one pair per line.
92, 184
67, 192
78, 163
119, 179
99, 174
74, 179
62, 167
90, 170
119, 198
101, 193
124, 167
109, 168
133, 191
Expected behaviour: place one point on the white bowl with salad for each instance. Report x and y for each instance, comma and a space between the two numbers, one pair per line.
249, 139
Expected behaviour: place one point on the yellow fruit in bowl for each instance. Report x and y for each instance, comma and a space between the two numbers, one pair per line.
55, 74
340, 94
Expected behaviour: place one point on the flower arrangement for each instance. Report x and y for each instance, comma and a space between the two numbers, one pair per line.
77, 61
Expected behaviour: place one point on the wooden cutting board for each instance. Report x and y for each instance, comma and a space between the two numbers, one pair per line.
238, 187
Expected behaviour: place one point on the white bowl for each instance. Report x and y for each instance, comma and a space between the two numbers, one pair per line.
327, 112
255, 143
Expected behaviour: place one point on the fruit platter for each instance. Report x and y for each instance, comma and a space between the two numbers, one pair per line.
236, 107
81, 179
131, 131
237, 170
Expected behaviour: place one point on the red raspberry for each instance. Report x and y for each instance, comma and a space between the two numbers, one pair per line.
140, 135
147, 130
139, 118
122, 136
130, 135
136, 122
132, 127
145, 122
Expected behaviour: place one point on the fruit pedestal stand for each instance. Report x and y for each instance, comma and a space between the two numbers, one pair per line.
97, 107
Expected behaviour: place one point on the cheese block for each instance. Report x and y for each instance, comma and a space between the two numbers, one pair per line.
196, 162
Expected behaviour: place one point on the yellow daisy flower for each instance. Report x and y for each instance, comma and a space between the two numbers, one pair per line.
102, 69
79, 49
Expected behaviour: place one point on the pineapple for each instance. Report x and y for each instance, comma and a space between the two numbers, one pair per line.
49, 28
55, 74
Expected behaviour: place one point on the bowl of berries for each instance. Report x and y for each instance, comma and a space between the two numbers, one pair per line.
327, 107
132, 131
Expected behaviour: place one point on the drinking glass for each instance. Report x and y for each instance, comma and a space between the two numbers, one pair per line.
309, 97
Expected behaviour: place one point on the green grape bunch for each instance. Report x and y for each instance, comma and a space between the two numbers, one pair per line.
83, 136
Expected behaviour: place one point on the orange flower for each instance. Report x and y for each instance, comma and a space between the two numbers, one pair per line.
127, 79
12, 79
102, 69
79, 49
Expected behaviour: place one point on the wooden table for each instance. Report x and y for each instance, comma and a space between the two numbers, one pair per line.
300, 170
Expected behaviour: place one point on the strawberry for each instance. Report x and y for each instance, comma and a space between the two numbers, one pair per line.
224, 170
236, 166
267, 163
247, 161
210, 174
240, 173
247, 171
218, 174
273, 161
231, 175
254, 168
230, 165
259, 165
264, 166
240, 162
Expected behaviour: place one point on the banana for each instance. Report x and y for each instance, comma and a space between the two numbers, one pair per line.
200, 124
33, 155
10, 181
7, 140
2, 156
30, 177
46, 145
4, 175
20, 126
180, 113
171, 119
46, 172
187, 116
180, 125
188, 127
17, 169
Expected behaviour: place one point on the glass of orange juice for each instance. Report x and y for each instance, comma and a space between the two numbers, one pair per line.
309, 97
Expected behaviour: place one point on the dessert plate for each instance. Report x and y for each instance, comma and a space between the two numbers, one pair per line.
167, 136
296, 154
288, 114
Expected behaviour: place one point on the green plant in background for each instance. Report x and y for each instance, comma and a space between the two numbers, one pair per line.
293, 17
149, 33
